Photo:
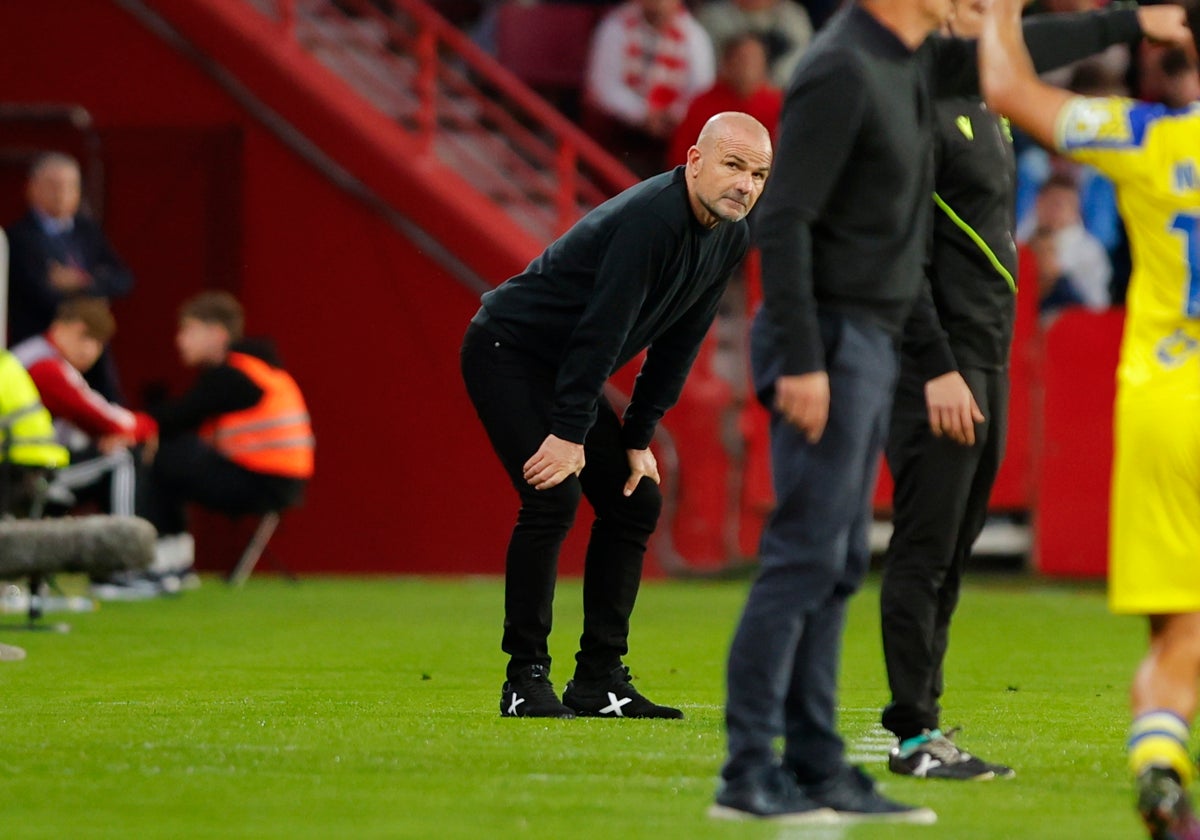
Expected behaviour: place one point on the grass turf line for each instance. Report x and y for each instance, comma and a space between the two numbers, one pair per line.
369, 708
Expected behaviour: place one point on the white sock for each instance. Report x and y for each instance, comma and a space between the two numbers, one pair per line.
173, 553
185, 551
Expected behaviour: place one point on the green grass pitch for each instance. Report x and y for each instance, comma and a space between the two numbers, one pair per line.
369, 709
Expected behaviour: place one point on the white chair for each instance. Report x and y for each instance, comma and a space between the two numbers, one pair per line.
255, 548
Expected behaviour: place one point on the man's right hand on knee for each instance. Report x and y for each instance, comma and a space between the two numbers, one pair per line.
553, 462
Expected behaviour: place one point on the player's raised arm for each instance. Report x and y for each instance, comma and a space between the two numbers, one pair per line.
1007, 78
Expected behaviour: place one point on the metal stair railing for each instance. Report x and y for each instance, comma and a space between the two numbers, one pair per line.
460, 104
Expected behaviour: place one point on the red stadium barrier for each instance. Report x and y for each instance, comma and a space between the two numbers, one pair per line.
705, 472
1071, 523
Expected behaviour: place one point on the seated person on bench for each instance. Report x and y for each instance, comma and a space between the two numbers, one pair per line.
239, 441
99, 434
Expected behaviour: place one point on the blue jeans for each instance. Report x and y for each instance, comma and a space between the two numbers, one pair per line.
783, 663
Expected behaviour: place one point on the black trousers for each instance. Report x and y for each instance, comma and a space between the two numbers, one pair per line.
513, 394
940, 506
186, 469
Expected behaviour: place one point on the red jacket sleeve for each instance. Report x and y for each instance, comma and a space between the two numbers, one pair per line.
67, 396
145, 427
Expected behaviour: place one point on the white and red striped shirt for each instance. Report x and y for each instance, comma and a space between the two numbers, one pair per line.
635, 68
79, 412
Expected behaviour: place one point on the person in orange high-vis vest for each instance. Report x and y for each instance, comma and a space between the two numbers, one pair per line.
274, 435
240, 441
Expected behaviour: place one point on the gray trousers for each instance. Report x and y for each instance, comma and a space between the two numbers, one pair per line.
783, 663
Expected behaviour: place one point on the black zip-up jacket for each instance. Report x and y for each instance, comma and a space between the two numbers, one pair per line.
973, 259
845, 220
637, 272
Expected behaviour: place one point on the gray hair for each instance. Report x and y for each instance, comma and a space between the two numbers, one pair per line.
48, 160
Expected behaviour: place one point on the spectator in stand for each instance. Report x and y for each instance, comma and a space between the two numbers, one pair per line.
783, 25
57, 253
1103, 74
1073, 267
1181, 81
742, 85
648, 60
239, 441
1097, 196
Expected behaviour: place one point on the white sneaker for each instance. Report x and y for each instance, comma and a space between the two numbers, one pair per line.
185, 548
173, 554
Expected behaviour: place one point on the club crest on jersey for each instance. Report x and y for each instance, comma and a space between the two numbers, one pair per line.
1096, 122
1175, 349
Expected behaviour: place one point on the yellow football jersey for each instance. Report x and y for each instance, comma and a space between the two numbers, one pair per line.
1151, 154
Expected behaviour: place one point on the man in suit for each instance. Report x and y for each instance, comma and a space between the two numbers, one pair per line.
56, 253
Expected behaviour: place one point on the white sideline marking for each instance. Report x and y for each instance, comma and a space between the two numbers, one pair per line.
871, 747
811, 832
673, 782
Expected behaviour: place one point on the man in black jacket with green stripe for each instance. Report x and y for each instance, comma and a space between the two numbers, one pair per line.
949, 417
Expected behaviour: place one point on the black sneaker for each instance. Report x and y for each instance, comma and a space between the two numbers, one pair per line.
614, 697
1164, 806
768, 794
933, 755
851, 793
531, 694
1000, 771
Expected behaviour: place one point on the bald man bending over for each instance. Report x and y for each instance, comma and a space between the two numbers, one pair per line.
646, 269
